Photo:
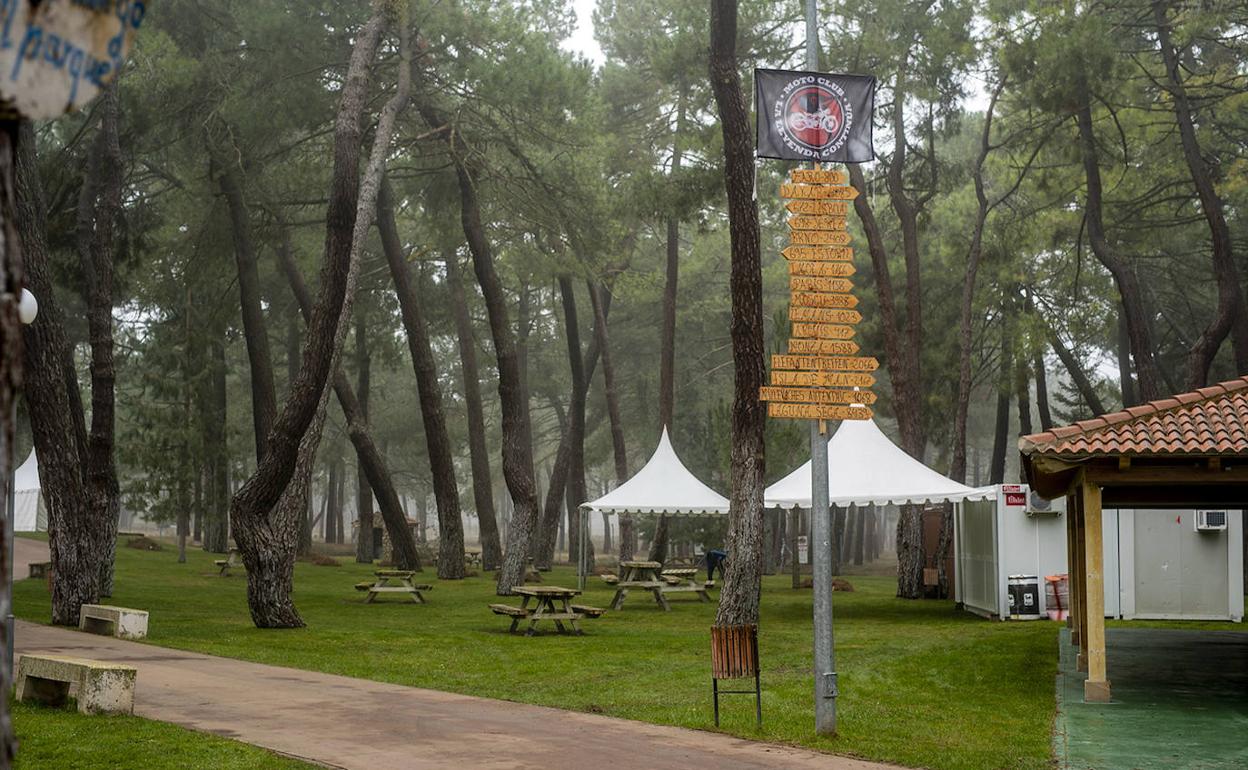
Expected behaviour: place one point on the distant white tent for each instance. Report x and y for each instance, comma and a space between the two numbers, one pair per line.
30, 513
663, 486
864, 468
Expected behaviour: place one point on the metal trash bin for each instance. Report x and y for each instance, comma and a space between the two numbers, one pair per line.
1024, 595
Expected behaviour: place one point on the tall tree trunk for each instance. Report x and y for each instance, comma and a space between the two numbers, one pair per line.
1126, 383
576, 492
517, 432
363, 491
1001, 433
1077, 375
335, 498
556, 488
99, 212
482, 484
600, 300
255, 330
212, 427
860, 537
1042, 390
738, 604
1022, 394
264, 528
72, 525
1229, 317
437, 440
957, 467
1147, 371
368, 456
292, 371
11, 282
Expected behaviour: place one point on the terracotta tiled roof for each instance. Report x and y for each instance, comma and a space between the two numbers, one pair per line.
1212, 420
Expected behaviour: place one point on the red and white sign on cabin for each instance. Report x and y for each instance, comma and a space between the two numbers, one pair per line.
1015, 497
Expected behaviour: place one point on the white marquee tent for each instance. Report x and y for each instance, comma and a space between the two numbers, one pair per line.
865, 468
664, 486
30, 514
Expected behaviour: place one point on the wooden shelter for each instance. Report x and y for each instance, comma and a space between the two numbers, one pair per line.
1186, 451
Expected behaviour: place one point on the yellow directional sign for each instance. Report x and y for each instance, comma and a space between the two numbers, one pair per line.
819, 253
816, 396
817, 223
818, 411
825, 192
823, 379
817, 176
809, 283
826, 363
823, 331
825, 315
822, 269
801, 299
819, 237
822, 347
819, 208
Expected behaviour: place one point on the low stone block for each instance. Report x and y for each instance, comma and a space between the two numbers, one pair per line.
98, 687
109, 620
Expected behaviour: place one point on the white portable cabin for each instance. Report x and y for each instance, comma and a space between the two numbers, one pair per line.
1159, 564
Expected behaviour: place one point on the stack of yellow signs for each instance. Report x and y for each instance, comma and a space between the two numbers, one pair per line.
816, 380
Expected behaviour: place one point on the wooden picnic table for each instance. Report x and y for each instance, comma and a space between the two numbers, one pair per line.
685, 580
394, 581
643, 575
234, 559
548, 603
473, 557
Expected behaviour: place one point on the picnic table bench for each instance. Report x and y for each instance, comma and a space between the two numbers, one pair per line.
234, 559
685, 580
552, 603
394, 581
643, 575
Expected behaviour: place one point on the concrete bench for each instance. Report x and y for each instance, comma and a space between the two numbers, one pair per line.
40, 569
105, 619
97, 686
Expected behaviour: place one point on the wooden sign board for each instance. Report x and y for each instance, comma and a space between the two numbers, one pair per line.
57, 55
823, 331
818, 192
819, 253
819, 208
822, 347
823, 379
801, 299
817, 223
809, 283
803, 395
826, 363
825, 315
817, 176
818, 411
819, 238
822, 269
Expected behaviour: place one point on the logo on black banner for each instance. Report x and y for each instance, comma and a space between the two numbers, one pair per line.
813, 116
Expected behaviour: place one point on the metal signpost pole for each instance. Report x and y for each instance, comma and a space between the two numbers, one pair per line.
821, 523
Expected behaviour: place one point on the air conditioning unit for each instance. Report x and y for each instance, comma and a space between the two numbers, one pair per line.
1037, 506
1210, 521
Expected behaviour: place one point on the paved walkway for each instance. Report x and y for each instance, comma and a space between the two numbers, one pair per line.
1180, 702
26, 551
350, 723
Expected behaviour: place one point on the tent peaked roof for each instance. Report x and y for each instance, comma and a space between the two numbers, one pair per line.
865, 467
1208, 421
27, 474
664, 485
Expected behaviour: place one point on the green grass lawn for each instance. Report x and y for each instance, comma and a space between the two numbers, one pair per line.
62, 738
921, 684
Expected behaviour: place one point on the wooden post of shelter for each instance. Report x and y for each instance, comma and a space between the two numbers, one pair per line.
1092, 653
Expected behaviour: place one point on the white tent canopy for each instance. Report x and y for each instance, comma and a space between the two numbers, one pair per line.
29, 515
663, 486
864, 468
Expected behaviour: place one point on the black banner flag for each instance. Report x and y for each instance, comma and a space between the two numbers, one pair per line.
814, 116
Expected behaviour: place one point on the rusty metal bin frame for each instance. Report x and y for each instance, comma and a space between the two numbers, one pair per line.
734, 655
